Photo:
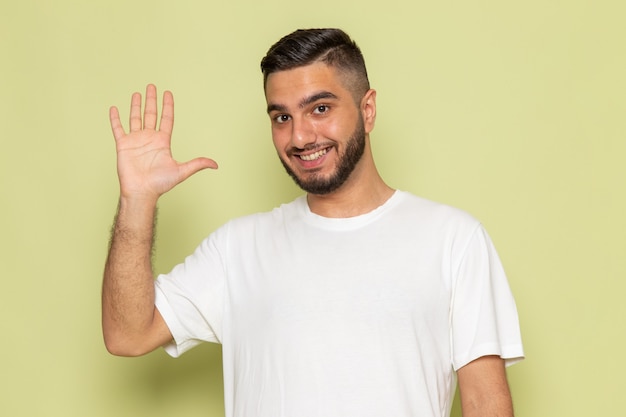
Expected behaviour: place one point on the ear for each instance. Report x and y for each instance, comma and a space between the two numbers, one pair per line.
368, 110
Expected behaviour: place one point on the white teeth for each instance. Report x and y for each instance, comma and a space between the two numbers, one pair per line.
314, 156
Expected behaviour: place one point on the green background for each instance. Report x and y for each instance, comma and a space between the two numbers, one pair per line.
514, 112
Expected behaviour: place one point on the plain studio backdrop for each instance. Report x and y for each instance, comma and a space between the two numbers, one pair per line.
514, 112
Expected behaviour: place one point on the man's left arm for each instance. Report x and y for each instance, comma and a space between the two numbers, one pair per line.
484, 389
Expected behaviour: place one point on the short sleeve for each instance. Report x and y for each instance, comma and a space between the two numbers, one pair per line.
190, 297
484, 319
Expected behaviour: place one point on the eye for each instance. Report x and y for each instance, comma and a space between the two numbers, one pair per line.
321, 109
281, 118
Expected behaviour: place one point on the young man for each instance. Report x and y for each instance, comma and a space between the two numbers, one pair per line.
353, 300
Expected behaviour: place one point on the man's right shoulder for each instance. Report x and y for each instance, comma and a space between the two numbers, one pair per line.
277, 215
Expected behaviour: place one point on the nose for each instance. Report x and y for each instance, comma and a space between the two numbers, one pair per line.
302, 133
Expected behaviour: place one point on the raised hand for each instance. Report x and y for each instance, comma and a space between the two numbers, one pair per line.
145, 165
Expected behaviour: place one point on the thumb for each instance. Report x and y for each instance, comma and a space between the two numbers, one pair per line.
187, 169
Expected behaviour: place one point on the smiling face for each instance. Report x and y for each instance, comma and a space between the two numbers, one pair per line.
318, 126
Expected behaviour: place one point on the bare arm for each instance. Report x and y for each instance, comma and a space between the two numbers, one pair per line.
484, 389
131, 324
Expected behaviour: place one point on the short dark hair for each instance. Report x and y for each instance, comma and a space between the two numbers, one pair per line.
306, 46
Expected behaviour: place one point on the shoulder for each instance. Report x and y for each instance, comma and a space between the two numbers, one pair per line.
429, 211
266, 219
439, 225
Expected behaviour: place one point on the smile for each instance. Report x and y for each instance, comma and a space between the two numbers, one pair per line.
314, 156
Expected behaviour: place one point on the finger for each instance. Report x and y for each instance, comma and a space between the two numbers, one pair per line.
150, 112
116, 124
189, 168
135, 112
167, 113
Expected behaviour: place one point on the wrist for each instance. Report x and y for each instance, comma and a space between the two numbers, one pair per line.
138, 202
136, 216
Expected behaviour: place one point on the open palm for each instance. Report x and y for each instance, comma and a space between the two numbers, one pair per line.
145, 164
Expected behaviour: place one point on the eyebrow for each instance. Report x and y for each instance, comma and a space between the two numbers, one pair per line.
304, 102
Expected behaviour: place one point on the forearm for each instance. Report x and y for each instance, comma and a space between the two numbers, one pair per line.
498, 404
484, 389
128, 284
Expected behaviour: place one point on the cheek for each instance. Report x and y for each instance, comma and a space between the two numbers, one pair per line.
280, 138
329, 129
338, 129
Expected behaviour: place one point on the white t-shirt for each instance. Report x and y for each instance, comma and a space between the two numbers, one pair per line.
366, 316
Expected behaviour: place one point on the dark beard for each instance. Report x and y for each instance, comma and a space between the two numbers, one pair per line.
319, 185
